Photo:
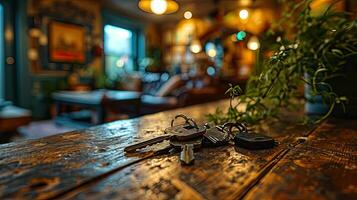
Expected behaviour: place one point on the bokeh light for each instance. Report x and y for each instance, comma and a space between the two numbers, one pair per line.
211, 71
244, 14
253, 43
195, 46
211, 50
241, 35
187, 15
212, 53
120, 63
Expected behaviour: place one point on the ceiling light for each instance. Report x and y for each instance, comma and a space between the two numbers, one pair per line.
244, 14
187, 15
158, 7
253, 43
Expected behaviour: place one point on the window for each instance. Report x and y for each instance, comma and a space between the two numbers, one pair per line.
119, 50
2, 63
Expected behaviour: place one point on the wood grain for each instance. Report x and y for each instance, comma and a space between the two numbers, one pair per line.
323, 167
42, 168
91, 164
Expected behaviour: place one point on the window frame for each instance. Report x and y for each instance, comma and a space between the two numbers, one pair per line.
136, 27
133, 45
132, 40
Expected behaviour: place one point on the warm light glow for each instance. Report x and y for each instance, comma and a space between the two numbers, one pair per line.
43, 40
195, 46
253, 43
234, 37
121, 61
187, 15
244, 70
244, 14
211, 50
9, 35
35, 32
245, 2
158, 7
212, 53
32, 54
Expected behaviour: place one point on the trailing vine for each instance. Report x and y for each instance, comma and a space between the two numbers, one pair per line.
314, 55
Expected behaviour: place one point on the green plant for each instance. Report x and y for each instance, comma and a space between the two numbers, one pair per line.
314, 55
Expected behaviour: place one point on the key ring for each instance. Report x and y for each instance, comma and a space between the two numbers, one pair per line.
187, 120
240, 126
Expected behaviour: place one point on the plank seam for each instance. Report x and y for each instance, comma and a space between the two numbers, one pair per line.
271, 164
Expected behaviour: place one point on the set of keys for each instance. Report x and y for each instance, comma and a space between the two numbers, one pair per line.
189, 136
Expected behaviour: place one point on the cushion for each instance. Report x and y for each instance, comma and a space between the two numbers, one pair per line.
159, 101
167, 88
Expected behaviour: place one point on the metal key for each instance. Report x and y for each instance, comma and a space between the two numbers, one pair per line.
215, 136
187, 149
183, 132
186, 156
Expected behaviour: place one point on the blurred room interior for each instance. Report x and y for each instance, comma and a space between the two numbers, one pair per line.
72, 64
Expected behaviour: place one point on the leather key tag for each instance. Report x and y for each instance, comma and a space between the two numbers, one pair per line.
254, 141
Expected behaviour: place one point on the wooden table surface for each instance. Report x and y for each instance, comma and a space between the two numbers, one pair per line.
309, 163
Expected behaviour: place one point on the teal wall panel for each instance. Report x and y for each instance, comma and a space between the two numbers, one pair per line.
2, 63
23, 74
9, 51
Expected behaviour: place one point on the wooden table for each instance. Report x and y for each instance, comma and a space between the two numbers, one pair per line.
309, 163
99, 100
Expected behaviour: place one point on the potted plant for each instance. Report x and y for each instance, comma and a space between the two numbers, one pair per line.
320, 52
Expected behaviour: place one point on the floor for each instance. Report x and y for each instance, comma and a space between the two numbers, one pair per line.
42, 129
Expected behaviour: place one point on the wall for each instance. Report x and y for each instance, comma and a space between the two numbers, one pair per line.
9, 51
37, 78
82, 12
2, 76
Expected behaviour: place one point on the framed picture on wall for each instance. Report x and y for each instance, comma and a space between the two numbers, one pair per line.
66, 43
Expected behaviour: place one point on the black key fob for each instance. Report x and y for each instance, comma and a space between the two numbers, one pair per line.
253, 141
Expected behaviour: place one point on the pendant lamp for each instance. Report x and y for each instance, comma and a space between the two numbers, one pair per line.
158, 7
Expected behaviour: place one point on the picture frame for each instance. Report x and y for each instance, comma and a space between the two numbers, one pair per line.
66, 43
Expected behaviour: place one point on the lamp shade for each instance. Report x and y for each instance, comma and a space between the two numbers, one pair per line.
158, 7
